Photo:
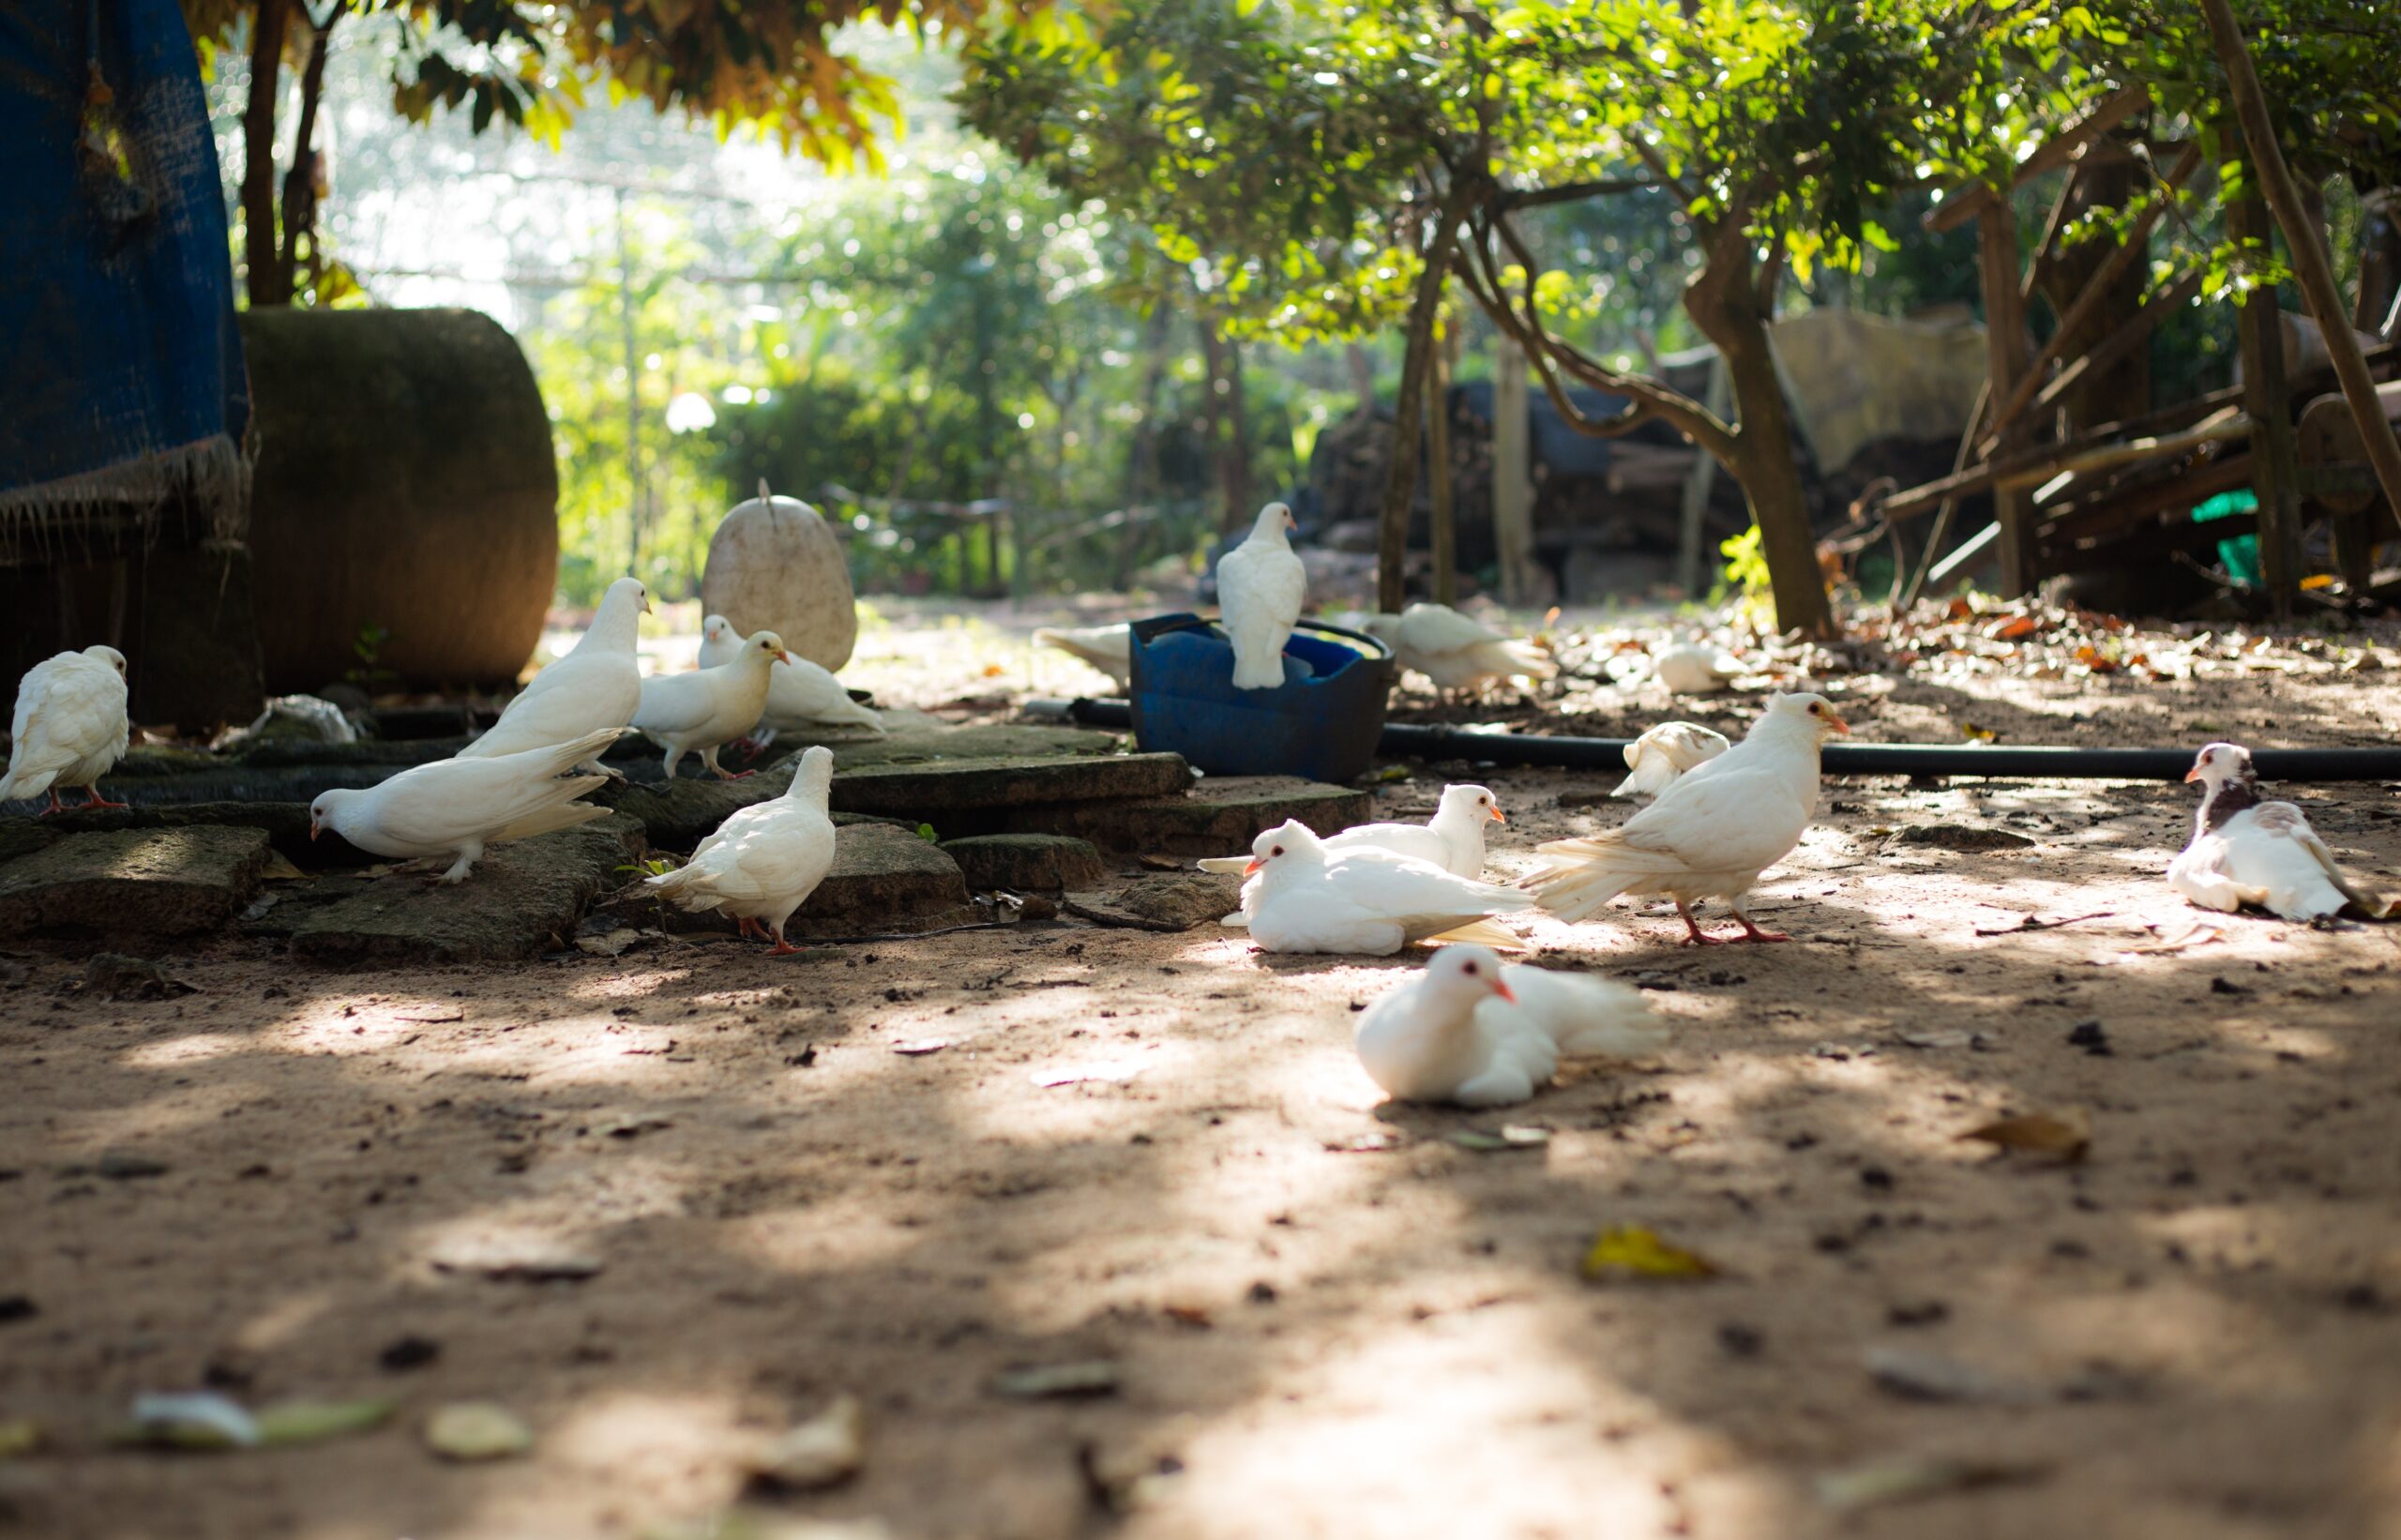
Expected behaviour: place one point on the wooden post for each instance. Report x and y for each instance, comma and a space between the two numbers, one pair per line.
1513, 529
2308, 251
2276, 465
1441, 534
1689, 556
2005, 352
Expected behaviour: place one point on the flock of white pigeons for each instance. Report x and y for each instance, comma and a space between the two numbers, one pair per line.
1467, 1029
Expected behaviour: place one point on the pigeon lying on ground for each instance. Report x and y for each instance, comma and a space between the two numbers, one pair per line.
1366, 901
801, 696
1454, 652
1471, 1031
764, 861
1107, 648
1655, 759
70, 727
1690, 669
596, 684
456, 806
708, 708
1260, 586
1711, 834
1452, 840
2264, 854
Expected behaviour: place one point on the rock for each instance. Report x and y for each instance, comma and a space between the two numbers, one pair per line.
112, 975
939, 792
521, 899
23, 837
1221, 816
1959, 836
825, 1451
160, 882
999, 741
677, 815
885, 880
774, 566
284, 823
1166, 902
1037, 862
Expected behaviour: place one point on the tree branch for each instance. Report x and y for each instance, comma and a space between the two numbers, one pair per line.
1570, 192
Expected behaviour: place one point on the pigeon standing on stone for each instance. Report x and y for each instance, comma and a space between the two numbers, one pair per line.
2264, 854
1107, 648
1452, 840
1471, 1031
1711, 833
703, 711
1454, 652
1364, 900
70, 728
597, 684
764, 861
1689, 669
800, 697
1656, 759
1260, 586
456, 806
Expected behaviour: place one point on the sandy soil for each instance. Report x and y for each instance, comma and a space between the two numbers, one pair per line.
1328, 1318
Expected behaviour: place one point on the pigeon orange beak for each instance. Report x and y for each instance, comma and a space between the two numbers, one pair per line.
782, 657
1837, 724
2193, 774
1500, 988
313, 827
1252, 867
1499, 816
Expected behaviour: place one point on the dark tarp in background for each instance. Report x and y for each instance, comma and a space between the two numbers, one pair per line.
123, 401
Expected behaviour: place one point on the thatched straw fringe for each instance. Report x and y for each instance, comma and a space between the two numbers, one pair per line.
195, 493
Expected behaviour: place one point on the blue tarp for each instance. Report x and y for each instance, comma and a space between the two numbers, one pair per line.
123, 399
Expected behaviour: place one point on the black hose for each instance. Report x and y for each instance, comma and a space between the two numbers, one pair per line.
1402, 740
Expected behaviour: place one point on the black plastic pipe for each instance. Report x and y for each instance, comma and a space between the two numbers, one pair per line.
1411, 741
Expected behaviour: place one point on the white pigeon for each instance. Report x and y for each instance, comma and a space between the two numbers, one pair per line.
801, 696
596, 684
1655, 759
708, 708
1454, 652
1690, 669
456, 806
1260, 586
1367, 901
1471, 1031
764, 861
1107, 648
70, 728
1711, 834
1452, 840
2264, 854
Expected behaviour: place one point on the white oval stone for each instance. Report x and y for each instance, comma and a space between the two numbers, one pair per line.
775, 565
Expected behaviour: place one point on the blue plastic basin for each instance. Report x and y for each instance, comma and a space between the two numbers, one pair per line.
1322, 723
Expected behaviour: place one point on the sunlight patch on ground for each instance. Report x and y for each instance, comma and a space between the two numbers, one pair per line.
189, 1049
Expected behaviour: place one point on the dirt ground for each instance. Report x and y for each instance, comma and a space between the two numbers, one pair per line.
1325, 1316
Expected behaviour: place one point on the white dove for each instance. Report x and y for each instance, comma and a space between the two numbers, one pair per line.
1260, 586
708, 708
2249, 851
1452, 840
1655, 759
1107, 648
764, 861
456, 806
1690, 669
70, 727
596, 684
801, 696
1454, 652
1364, 900
1711, 834
1470, 1031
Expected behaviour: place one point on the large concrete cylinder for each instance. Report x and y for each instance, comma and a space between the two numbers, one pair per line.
405, 484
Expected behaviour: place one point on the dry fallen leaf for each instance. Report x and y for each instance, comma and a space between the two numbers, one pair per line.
476, 1430
1978, 735
1511, 1137
2067, 1136
2016, 629
1093, 1376
825, 1451
19, 1436
1898, 1479
1633, 1251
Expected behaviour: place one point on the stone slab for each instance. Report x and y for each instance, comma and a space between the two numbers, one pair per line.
284, 823
1220, 816
1172, 902
24, 836
885, 880
938, 790
1040, 863
1004, 740
523, 900
153, 881
677, 815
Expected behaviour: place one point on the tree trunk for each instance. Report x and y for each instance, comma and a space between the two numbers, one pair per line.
2104, 179
1142, 445
1234, 470
1442, 530
300, 182
1408, 412
266, 282
1214, 389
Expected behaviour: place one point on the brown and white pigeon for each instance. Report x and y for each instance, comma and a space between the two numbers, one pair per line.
69, 729
1710, 834
2263, 854
1367, 901
1471, 1030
